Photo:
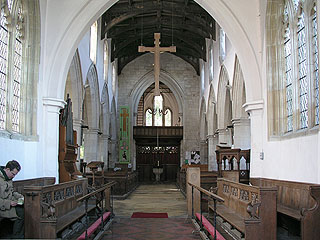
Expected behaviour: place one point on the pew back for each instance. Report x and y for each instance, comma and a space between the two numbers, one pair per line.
237, 196
50, 208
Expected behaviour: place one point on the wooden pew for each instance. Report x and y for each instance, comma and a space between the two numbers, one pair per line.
50, 209
126, 181
299, 201
249, 209
19, 187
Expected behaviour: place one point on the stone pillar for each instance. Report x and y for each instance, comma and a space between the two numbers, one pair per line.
212, 159
50, 141
113, 157
241, 133
225, 137
104, 150
255, 109
91, 145
203, 152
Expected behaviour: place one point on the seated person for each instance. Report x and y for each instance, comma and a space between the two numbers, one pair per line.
10, 201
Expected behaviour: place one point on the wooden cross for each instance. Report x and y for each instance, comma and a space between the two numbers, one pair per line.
157, 50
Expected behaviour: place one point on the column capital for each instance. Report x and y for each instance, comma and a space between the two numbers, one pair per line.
54, 104
253, 106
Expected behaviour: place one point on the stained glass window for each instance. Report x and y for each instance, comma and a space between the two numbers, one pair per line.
295, 4
168, 118
288, 74
302, 63
10, 2
316, 64
17, 59
158, 106
3, 68
148, 117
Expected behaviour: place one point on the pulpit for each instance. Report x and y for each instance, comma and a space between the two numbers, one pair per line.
157, 171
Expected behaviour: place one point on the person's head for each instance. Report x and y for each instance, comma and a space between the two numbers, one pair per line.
12, 168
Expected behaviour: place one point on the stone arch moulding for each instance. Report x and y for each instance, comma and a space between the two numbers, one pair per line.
92, 88
203, 120
83, 15
146, 80
238, 93
76, 86
222, 94
211, 111
105, 110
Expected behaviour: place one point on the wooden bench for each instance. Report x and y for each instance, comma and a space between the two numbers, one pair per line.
19, 187
299, 201
50, 209
249, 209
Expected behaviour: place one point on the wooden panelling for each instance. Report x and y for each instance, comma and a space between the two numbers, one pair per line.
297, 200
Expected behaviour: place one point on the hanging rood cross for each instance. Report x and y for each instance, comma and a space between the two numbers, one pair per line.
157, 50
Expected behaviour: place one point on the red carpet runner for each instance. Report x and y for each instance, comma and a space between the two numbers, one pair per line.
149, 215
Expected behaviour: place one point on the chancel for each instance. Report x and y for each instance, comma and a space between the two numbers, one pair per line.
200, 116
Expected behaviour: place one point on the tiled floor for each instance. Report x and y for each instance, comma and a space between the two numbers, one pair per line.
161, 198
151, 229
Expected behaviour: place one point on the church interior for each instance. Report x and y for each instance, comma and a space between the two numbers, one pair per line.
183, 119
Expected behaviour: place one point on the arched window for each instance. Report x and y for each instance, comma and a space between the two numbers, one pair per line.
211, 61
222, 38
158, 107
148, 117
3, 68
158, 115
105, 60
168, 118
19, 56
301, 66
315, 62
93, 41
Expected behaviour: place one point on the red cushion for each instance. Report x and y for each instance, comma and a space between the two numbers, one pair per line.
94, 226
209, 227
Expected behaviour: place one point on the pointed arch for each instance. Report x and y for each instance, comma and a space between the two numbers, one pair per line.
238, 92
146, 80
74, 86
203, 120
105, 110
224, 107
212, 112
92, 99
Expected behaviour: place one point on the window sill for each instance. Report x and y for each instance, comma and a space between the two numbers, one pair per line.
17, 136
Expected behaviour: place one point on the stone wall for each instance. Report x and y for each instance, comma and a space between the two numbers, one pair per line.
174, 71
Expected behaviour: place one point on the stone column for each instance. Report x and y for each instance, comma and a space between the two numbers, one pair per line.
50, 141
91, 145
212, 160
241, 133
255, 109
203, 152
225, 137
104, 149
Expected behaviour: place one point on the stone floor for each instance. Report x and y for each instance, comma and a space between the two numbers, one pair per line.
162, 198
152, 198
